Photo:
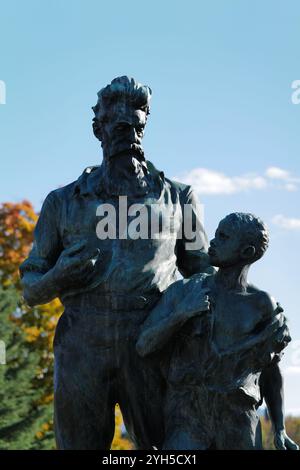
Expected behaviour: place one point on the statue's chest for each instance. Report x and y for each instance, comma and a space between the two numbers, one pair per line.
232, 321
120, 219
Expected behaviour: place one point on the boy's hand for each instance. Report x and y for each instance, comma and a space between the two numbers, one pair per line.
194, 304
192, 311
283, 442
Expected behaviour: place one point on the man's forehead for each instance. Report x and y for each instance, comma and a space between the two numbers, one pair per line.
124, 110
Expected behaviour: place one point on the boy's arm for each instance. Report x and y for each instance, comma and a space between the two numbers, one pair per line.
271, 378
157, 336
158, 329
273, 393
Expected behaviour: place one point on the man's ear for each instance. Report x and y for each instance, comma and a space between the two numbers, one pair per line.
97, 129
248, 252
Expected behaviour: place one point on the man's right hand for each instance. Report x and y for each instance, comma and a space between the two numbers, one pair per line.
75, 267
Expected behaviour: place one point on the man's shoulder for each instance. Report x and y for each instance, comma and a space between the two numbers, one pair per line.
181, 188
178, 186
69, 190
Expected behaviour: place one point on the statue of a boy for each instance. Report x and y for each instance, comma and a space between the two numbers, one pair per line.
218, 340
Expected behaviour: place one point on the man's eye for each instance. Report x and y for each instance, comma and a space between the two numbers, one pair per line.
121, 127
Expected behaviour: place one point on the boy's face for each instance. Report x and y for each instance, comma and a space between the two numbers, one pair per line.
227, 247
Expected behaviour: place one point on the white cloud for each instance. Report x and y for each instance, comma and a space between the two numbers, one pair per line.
292, 370
206, 181
274, 172
289, 182
286, 223
292, 412
291, 187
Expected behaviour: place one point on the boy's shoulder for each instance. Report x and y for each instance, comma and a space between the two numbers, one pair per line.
184, 285
196, 279
264, 301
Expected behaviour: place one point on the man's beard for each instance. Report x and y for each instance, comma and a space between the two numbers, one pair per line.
126, 174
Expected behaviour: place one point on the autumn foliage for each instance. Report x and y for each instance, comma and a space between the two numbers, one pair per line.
17, 222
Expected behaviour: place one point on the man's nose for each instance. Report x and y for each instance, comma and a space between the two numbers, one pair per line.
212, 243
133, 134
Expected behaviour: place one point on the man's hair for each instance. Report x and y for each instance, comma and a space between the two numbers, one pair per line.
252, 230
121, 89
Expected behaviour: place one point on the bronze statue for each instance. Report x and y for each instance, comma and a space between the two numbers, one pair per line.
218, 340
109, 284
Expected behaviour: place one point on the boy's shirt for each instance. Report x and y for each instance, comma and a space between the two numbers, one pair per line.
192, 355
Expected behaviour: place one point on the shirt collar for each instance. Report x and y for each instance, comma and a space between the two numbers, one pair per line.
91, 180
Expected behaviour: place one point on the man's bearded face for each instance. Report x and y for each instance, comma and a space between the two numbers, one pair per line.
123, 132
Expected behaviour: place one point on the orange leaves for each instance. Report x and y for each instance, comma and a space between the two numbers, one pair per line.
32, 333
17, 222
46, 428
45, 400
120, 442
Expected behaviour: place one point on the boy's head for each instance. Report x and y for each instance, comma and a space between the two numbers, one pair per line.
240, 239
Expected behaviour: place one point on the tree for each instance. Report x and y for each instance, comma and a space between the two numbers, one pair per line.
17, 222
37, 326
20, 415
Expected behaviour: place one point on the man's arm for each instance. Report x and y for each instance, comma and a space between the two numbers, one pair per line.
36, 271
39, 288
74, 268
191, 248
51, 270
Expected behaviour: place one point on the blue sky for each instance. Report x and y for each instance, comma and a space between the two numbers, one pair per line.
221, 117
